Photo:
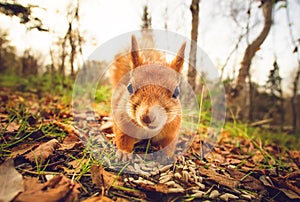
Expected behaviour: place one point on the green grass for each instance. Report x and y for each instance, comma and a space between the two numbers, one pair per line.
21, 117
40, 84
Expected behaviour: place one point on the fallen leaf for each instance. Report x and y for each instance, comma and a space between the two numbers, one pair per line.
161, 188
218, 178
289, 193
233, 161
67, 127
11, 182
104, 199
70, 146
214, 157
103, 179
289, 190
98, 198
281, 183
22, 149
295, 155
246, 181
77, 165
71, 138
59, 188
71, 141
42, 152
257, 158
12, 127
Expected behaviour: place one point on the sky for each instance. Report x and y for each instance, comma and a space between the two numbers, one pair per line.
102, 20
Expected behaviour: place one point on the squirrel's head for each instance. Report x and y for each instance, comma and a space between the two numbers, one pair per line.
154, 89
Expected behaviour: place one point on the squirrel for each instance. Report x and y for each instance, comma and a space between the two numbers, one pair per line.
145, 102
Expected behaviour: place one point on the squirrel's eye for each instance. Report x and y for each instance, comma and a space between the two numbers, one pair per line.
130, 88
176, 92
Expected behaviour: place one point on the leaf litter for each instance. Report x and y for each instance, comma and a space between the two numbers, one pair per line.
66, 173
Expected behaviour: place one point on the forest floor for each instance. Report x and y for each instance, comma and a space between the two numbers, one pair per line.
43, 158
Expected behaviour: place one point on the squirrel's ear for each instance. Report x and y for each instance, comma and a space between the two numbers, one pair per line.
177, 62
135, 57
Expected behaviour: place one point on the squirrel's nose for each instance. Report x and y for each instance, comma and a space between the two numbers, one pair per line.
146, 119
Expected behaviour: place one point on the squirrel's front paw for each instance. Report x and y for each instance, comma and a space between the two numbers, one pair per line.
123, 156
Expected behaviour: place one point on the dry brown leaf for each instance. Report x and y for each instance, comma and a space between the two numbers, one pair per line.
68, 128
98, 199
104, 199
246, 181
12, 127
214, 157
11, 182
280, 182
103, 179
71, 138
22, 149
218, 178
288, 189
71, 141
70, 146
289, 193
42, 152
295, 155
257, 158
76, 165
59, 188
233, 161
162, 188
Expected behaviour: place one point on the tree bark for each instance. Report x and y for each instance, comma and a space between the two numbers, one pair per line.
267, 8
240, 98
296, 80
294, 98
192, 73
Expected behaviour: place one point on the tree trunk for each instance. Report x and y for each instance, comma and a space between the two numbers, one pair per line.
73, 49
267, 8
192, 73
241, 96
63, 58
294, 98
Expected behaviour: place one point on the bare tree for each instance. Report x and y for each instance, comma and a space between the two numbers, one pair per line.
192, 73
146, 19
267, 8
72, 40
296, 81
30, 64
239, 95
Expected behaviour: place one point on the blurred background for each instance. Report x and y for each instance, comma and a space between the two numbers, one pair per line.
253, 44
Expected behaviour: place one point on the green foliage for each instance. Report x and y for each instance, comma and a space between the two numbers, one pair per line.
40, 84
103, 93
266, 136
9, 61
102, 98
274, 81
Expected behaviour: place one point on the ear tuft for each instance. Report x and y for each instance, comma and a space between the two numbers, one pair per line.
177, 62
135, 57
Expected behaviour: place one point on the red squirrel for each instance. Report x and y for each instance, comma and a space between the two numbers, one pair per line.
146, 101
